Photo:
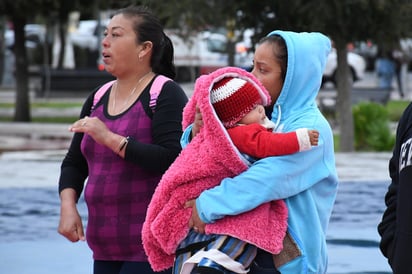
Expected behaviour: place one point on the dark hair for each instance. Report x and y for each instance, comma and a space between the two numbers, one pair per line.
280, 51
148, 28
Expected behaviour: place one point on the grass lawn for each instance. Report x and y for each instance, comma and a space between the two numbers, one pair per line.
395, 109
54, 105
45, 105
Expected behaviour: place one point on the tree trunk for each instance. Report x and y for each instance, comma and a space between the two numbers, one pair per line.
344, 100
231, 51
22, 110
231, 45
2, 47
62, 34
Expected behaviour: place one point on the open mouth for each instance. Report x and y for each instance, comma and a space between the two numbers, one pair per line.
105, 56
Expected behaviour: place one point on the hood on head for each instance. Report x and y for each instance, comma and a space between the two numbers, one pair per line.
307, 55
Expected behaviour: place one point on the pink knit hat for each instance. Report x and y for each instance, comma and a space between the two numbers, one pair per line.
232, 98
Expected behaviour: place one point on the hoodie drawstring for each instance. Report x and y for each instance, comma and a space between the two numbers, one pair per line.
279, 116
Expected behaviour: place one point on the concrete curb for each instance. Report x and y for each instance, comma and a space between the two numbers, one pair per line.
33, 136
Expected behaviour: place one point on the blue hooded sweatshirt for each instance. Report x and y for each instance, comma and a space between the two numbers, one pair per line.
307, 181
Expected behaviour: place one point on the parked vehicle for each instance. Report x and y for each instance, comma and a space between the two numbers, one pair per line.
244, 56
35, 41
199, 54
368, 50
356, 63
35, 36
86, 35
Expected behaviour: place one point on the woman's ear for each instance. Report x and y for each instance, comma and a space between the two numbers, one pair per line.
147, 47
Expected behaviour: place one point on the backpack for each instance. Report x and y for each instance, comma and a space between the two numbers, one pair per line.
154, 91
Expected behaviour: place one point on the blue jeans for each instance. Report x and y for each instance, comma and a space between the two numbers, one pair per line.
121, 267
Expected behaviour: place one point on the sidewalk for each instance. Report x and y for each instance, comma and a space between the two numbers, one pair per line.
33, 136
355, 166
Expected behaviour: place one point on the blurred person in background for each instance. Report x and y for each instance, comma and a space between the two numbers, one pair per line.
385, 69
400, 68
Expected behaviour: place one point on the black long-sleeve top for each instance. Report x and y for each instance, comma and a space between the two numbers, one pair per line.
395, 228
157, 157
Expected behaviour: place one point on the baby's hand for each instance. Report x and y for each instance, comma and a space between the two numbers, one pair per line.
313, 136
198, 123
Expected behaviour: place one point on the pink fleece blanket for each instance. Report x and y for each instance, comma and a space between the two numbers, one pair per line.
208, 159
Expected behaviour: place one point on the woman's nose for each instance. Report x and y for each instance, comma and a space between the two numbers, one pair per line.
104, 41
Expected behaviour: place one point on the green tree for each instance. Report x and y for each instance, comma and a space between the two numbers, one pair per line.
19, 13
382, 21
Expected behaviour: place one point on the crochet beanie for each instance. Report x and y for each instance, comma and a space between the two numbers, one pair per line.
232, 98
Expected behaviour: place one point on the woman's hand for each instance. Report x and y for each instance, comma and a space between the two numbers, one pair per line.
70, 224
195, 221
94, 127
198, 123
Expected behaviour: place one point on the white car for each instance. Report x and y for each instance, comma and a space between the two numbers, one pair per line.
35, 36
87, 35
357, 65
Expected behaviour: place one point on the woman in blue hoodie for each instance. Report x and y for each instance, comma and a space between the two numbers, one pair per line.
290, 66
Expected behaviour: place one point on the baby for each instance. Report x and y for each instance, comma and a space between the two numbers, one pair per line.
239, 106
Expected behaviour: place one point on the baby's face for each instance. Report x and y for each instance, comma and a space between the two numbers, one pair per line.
256, 115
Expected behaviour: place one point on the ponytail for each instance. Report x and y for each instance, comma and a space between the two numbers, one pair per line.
162, 61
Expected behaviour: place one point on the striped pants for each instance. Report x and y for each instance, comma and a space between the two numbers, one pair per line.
220, 252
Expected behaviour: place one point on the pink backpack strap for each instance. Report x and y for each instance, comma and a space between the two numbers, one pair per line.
155, 90
102, 90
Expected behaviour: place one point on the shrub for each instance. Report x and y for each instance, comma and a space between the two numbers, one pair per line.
372, 130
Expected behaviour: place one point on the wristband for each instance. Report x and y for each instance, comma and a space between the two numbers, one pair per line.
123, 144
